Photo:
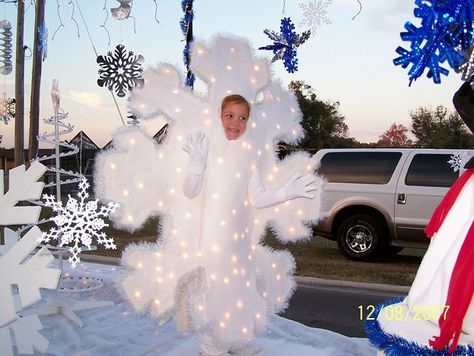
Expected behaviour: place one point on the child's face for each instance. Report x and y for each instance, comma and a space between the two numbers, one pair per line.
234, 118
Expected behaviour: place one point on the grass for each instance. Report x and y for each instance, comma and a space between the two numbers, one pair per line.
317, 257
321, 258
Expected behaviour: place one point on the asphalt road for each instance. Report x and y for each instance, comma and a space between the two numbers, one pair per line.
341, 309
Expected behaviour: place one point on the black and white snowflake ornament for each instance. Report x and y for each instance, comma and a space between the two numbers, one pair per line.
285, 44
7, 108
314, 14
120, 71
78, 222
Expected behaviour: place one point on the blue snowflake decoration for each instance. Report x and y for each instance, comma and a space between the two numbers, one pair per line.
445, 26
186, 24
285, 44
43, 41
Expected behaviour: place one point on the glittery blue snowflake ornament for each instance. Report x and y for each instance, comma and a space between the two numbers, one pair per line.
186, 24
285, 44
43, 41
445, 27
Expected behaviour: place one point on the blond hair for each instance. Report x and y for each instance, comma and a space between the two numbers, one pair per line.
235, 98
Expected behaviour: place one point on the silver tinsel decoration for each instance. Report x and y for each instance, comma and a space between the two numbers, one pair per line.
6, 66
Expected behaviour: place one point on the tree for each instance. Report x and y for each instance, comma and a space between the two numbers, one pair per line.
36, 81
439, 129
323, 124
19, 85
395, 136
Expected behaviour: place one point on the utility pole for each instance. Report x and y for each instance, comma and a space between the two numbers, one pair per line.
36, 80
19, 86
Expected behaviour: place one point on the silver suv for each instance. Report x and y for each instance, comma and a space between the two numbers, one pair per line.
380, 200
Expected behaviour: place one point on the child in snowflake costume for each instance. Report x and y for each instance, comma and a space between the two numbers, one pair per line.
235, 112
437, 316
209, 269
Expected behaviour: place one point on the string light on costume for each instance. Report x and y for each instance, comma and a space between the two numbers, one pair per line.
6, 35
285, 44
314, 14
120, 71
7, 108
445, 26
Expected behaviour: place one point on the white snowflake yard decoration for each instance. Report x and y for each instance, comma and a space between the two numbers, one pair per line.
23, 185
28, 274
210, 260
314, 14
79, 222
458, 160
120, 71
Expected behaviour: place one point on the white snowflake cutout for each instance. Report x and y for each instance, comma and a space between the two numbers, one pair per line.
30, 276
28, 273
79, 222
23, 185
314, 14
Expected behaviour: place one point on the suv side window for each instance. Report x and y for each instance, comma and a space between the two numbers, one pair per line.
359, 167
432, 170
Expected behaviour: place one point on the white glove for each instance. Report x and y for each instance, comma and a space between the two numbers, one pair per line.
299, 186
196, 146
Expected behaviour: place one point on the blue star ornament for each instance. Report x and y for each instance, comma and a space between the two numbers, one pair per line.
285, 44
444, 35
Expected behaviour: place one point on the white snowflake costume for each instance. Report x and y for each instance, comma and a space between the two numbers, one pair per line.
209, 267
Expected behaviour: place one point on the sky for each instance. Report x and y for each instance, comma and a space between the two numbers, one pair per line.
349, 61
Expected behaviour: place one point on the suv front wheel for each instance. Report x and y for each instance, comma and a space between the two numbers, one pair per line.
360, 236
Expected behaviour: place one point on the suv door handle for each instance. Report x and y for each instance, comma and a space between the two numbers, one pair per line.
402, 198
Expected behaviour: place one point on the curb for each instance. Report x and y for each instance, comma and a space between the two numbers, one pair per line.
106, 260
300, 280
314, 281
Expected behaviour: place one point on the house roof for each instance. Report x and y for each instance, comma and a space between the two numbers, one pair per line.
159, 137
84, 141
